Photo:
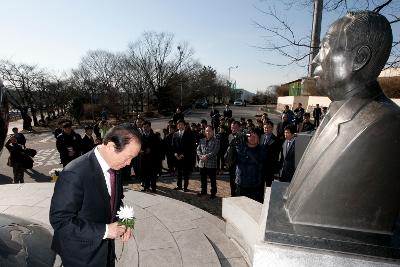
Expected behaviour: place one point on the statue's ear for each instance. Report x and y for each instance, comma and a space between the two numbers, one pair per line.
362, 58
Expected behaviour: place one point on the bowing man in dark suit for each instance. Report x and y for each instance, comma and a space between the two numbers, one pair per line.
183, 144
288, 154
86, 198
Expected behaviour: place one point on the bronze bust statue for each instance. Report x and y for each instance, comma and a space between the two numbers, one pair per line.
349, 176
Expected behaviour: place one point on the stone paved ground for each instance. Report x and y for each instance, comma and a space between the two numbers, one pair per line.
166, 184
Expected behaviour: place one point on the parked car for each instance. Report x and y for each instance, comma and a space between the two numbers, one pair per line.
238, 102
201, 103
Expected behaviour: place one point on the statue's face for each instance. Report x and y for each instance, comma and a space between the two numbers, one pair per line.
333, 62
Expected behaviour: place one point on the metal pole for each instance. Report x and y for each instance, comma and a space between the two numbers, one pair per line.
91, 104
229, 77
181, 94
315, 34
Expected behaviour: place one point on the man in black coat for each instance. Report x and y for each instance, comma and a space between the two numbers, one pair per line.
288, 154
69, 144
234, 138
178, 115
306, 125
227, 112
183, 147
169, 152
16, 159
87, 140
299, 112
280, 129
317, 115
149, 157
20, 137
214, 115
272, 146
86, 198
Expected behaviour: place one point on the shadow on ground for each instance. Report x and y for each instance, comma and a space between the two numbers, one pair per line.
5, 179
37, 176
166, 185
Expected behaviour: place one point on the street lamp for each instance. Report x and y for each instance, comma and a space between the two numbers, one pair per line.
180, 57
181, 93
229, 76
229, 72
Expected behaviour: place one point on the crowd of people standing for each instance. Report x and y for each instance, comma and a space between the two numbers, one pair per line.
247, 149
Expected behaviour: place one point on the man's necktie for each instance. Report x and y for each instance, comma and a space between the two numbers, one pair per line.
265, 142
288, 146
112, 196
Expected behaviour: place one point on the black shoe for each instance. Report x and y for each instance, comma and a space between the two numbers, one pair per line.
154, 190
201, 194
178, 188
143, 190
185, 190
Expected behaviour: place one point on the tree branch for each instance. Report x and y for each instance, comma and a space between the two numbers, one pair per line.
379, 8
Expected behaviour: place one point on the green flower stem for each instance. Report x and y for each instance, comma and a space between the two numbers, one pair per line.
128, 223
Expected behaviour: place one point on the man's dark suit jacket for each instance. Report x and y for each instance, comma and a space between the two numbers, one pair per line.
185, 146
79, 212
228, 113
273, 148
287, 162
87, 144
151, 147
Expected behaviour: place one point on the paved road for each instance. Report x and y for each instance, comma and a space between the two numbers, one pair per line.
47, 156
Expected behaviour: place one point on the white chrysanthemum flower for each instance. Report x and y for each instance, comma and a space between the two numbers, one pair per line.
126, 213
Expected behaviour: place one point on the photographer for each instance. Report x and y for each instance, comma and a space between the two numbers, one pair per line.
214, 114
230, 161
250, 166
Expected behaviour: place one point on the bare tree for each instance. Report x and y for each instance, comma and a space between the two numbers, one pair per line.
132, 82
159, 60
57, 93
22, 81
100, 66
281, 39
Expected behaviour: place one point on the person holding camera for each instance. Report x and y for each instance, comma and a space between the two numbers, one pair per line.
250, 166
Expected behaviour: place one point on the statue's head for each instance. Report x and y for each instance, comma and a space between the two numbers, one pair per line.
3, 115
353, 53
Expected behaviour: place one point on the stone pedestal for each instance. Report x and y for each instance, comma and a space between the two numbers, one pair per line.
287, 244
276, 255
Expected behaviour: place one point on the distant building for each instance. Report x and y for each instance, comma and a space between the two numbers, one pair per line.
301, 87
302, 91
243, 94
